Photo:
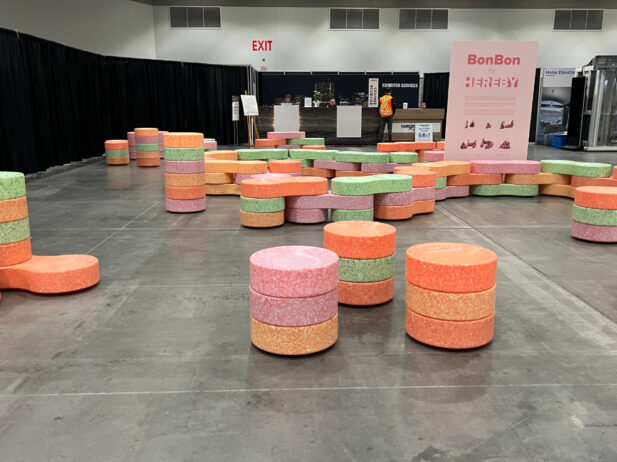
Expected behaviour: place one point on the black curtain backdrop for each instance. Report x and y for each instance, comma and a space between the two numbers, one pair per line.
59, 104
436, 93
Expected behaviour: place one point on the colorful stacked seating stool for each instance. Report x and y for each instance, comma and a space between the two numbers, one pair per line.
294, 299
594, 217
147, 147
450, 301
19, 269
185, 180
366, 266
117, 152
161, 146
130, 136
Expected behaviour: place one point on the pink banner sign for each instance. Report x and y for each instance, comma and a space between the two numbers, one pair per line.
489, 100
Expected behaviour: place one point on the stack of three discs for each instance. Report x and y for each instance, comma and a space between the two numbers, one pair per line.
293, 299
147, 147
366, 265
185, 179
594, 217
451, 294
130, 136
117, 152
14, 224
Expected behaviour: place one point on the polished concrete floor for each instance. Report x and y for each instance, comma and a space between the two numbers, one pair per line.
156, 364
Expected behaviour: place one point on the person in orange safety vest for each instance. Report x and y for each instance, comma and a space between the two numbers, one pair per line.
387, 108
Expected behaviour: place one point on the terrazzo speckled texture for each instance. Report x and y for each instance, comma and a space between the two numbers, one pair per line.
15, 209
381, 168
210, 144
294, 340
362, 157
236, 166
16, 252
404, 212
185, 192
222, 189
528, 167
366, 270
321, 147
240, 177
596, 197
143, 131
182, 166
261, 154
14, 231
306, 141
450, 306
376, 184
12, 185
334, 165
185, 179
318, 172
449, 334
538, 178
293, 311
343, 173
286, 135
116, 152
447, 167
366, 239
184, 154
404, 198
311, 154
505, 189
294, 271
594, 233
451, 267
183, 140
268, 142
306, 216
475, 179
219, 178
263, 188
588, 216
403, 157
143, 161
350, 215
51, 274
284, 166
421, 177
330, 201
249, 204
262, 220
117, 160
433, 155
147, 147
570, 167
441, 182
365, 293
584, 181
185, 206
113, 145
561, 190
221, 155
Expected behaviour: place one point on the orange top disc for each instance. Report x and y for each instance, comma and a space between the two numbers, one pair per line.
116, 144
360, 239
183, 140
596, 197
265, 188
451, 267
285, 166
221, 155
421, 177
146, 132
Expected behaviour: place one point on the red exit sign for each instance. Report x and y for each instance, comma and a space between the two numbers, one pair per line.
262, 45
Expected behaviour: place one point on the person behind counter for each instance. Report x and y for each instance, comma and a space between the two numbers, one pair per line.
423, 105
387, 108
332, 102
287, 99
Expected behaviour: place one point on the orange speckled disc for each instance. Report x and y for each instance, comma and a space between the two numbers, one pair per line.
422, 177
469, 179
427, 206
16, 252
450, 334
538, 178
223, 189
148, 155
339, 173
595, 197
146, 132
183, 140
185, 192
584, 181
562, 190
360, 239
262, 220
294, 340
320, 172
153, 162
185, 179
447, 167
236, 166
421, 145
267, 188
449, 306
117, 160
451, 267
441, 145
219, 178
389, 147
220, 155
319, 147
285, 166
615, 172
113, 145
403, 212
269, 142
52, 274
365, 293
13, 209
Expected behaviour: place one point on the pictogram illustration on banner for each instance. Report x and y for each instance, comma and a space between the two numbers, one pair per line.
490, 99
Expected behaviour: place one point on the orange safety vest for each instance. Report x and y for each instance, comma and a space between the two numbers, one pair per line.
385, 106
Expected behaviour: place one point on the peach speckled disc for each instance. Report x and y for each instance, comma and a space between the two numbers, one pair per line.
451, 307
538, 178
16, 252
117, 160
185, 192
596, 197
146, 132
294, 271
236, 166
265, 188
285, 166
585, 181
269, 142
52, 274
450, 334
185, 206
451, 267
360, 239
447, 167
185, 179
294, 340
262, 219
223, 189
318, 172
13, 209
474, 179
183, 140
219, 178
421, 177
562, 190
148, 162
366, 293
341, 173
294, 311
221, 155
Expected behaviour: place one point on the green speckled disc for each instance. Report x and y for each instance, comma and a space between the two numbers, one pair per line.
351, 215
370, 270
117, 153
591, 216
147, 147
186, 154
14, 231
12, 185
441, 182
249, 204
523, 190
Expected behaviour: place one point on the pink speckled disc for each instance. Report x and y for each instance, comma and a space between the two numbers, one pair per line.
381, 168
451, 191
146, 140
334, 165
294, 271
527, 167
285, 135
433, 156
182, 166
423, 194
294, 312
395, 199
306, 216
210, 144
185, 206
239, 177
329, 201
594, 233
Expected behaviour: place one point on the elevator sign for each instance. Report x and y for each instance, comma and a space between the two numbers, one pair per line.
262, 45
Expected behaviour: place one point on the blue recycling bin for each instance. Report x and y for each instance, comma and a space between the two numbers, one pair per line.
559, 140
